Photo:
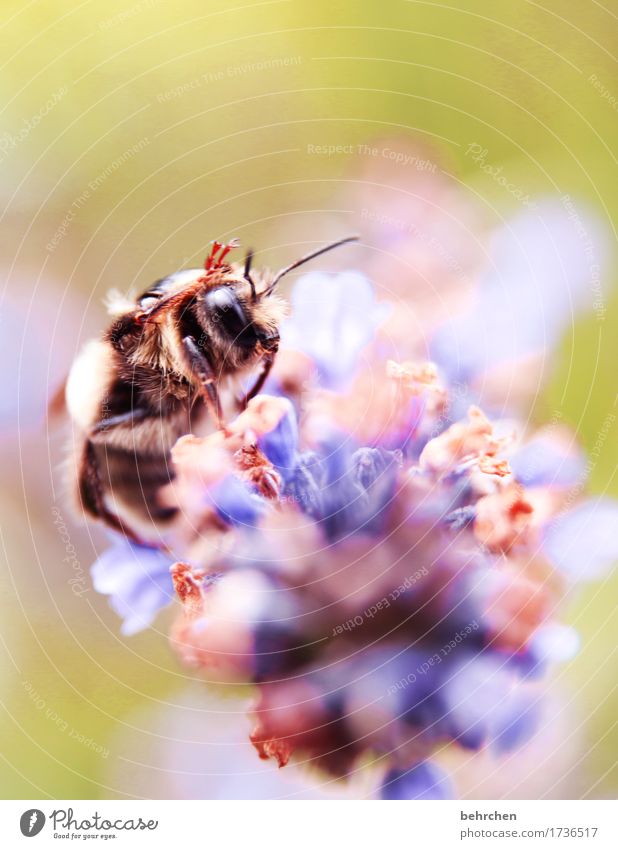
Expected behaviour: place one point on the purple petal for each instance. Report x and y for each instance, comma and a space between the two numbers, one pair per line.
515, 723
486, 705
423, 781
471, 694
137, 580
555, 643
334, 318
544, 461
235, 503
552, 643
583, 543
280, 445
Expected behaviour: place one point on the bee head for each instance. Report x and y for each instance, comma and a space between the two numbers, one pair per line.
238, 314
233, 316
227, 311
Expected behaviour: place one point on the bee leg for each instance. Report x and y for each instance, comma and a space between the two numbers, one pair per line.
200, 366
268, 361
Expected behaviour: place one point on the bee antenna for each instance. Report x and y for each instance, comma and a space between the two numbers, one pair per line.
305, 259
247, 274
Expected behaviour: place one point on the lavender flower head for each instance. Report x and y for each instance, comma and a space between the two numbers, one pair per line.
387, 578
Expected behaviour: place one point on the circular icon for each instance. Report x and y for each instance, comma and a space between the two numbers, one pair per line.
31, 822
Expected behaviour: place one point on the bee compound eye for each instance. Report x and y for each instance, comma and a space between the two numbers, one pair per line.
221, 299
224, 308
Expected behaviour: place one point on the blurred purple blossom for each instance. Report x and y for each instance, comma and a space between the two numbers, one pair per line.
137, 580
549, 459
333, 319
583, 542
555, 643
422, 781
543, 272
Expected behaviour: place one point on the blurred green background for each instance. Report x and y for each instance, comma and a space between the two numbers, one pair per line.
135, 132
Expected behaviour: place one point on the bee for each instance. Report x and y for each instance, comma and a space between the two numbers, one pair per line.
160, 371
